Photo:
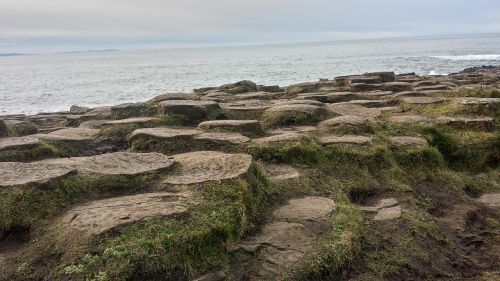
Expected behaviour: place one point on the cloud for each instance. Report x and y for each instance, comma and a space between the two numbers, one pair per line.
34, 23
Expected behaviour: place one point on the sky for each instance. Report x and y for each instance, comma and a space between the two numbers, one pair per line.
38, 26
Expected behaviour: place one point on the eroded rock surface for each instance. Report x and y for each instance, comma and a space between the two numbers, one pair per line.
104, 215
22, 174
206, 166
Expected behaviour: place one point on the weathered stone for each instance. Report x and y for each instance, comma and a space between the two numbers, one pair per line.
408, 141
480, 122
493, 103
18, 128
383, 203
71, 134
245, 127
75, 109
297, 102
128, 110
371, 103
348, 109
280, 172
299, 114
212, 276
4, 132
205, 166
424, 100
411, 119
12, 143
308, 208
216, 138
164, 132
39, 173
292, 129
296, 89
345, 139
397, 86
193, 110
270, 89
433, 88
244, 86
351, 120
101, 216
390, 213
362, 87
118, 163
135, 120
281, 138
256, 95
173, 96
490, 199
93, 124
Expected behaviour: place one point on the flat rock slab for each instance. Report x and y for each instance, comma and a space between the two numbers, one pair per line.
164, 132
354, 110
280, 172
93, 124
490, 199
135, 120
193, 110
308, 208
71, 134
408, 141
222, 138
281, 138
284, 241
12, 143
473, 101
205, 166
341, 120
424, 100
346, 139
21, 174
411, 119
292, 129
294, 108
281, 235
390, 213
480, 122
118, 163
245, 127
385, 209
104, 215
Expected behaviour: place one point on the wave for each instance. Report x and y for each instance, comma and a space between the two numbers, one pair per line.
469, 57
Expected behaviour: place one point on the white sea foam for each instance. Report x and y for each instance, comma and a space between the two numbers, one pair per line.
469, 57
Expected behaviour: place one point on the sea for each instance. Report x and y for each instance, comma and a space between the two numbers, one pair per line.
31, 84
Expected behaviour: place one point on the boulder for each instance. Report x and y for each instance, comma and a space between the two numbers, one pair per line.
239, 87
75, 109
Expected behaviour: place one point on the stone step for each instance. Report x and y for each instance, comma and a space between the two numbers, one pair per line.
98, 217
193, 110
208, 166
385, 209
16, 174
245, 127
280, 172
294, 114
345, 139
292, 233
182, 139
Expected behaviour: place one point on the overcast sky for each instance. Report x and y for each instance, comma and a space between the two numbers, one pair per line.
64, 25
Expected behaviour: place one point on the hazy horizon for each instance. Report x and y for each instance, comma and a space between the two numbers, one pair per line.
30, 26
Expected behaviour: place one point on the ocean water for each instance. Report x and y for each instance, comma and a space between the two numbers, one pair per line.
54, 82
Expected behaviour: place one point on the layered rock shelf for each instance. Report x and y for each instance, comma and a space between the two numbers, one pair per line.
377, 176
